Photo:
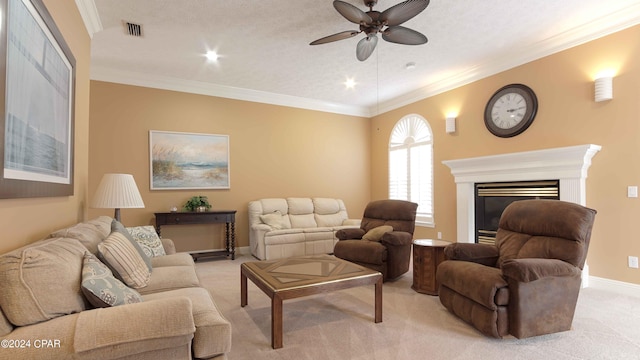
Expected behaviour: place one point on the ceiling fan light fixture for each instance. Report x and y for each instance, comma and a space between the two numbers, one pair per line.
373, 22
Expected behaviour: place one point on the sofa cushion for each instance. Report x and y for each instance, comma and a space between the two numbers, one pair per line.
300, 206
103, 224
117, 226
171, 277
5, 325
101, 288
177, 259
329, 212
118, 253
213, 331
376, 233
88, 234
148, 239
302, 221
42, 281
276, 220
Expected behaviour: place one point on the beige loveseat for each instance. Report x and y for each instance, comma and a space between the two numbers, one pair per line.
280, 228
46, 313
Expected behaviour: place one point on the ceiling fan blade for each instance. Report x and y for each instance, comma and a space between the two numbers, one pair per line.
366, 46
402, 12
335, 37
403, 35
352, 13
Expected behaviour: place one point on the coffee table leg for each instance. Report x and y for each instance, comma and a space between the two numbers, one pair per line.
378, 300
243, 289
276, 322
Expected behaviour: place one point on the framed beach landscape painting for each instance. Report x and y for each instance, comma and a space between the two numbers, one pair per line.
181, 161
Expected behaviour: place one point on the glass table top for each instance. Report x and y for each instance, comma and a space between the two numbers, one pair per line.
306, 270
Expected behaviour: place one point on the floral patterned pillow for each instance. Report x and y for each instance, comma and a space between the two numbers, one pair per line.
102, 289
148, 240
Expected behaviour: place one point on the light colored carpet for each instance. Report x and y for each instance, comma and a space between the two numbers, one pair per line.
339, 325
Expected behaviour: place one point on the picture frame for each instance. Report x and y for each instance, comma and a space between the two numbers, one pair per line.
188, 161
37, 80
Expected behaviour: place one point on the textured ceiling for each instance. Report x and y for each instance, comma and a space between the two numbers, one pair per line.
266, 56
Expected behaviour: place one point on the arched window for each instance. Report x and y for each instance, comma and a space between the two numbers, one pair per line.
411, 165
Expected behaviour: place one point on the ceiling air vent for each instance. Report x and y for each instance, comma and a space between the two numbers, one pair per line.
132, 29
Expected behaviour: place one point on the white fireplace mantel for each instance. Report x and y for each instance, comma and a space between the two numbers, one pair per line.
567, 164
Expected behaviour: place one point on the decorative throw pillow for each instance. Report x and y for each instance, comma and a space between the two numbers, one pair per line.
102, 289
148, 240
276, 220
376, 233
117, 226
117, 252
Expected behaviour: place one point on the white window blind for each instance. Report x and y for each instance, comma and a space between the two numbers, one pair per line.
411, 165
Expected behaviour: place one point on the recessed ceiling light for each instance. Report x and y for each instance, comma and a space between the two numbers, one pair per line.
350, 83
212, 56
410, 66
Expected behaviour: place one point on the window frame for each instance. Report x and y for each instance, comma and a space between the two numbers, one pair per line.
414, 131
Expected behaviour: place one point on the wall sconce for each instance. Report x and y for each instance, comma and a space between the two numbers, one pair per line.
450, 126
604, 88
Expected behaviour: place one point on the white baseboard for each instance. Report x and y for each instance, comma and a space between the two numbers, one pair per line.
614, 285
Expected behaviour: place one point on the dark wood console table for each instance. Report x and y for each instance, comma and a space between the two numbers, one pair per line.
227, 217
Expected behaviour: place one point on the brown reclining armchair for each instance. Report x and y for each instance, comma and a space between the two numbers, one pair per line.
391, 253
528, 283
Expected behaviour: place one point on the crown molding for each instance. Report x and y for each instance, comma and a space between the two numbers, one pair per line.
603, 26
90, 16
202, 88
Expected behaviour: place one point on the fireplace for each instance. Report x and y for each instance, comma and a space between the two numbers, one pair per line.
492, 198
567, 164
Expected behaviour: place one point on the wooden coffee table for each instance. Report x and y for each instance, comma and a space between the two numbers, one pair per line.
302, 276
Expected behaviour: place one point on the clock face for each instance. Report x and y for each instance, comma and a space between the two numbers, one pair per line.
510, 110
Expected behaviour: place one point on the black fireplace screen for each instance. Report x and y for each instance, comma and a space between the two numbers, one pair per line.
492, 198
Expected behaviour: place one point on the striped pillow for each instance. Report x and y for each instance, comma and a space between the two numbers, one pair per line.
123, 260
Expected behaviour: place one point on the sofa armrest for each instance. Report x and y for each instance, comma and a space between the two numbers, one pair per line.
350, 234
484, 254
397, 238
134, 328
169, 246
528, 270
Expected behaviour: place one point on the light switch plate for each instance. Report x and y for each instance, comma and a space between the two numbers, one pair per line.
632, 191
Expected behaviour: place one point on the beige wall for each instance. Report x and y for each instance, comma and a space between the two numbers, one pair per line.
27, 220
567, 115
278, 151
275, 152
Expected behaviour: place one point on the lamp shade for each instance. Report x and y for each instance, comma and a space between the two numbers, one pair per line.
117, 191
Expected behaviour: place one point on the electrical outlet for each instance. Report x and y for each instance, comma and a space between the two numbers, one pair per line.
440, 237
633, 262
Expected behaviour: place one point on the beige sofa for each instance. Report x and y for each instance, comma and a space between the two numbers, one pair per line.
280, 228
45, 314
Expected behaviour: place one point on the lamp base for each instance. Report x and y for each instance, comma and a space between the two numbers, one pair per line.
116, 215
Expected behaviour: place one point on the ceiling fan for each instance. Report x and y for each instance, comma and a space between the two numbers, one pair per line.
373, 22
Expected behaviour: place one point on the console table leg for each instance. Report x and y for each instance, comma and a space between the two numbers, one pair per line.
233, 241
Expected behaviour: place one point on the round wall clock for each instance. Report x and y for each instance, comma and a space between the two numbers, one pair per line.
510, 110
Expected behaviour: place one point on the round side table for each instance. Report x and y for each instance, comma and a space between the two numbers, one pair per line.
427, 255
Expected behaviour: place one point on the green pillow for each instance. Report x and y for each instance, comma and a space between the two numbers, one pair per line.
102, 289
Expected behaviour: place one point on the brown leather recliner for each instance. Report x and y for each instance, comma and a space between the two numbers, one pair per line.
528, 283
392, 254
